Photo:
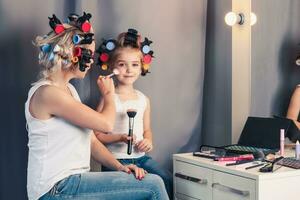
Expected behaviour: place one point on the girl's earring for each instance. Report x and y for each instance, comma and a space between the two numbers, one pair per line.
74, 59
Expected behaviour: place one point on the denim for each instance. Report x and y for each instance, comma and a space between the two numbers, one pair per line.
107, 186
151, 166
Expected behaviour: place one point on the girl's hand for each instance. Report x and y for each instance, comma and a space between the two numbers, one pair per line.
106, 85
124, 138
144, 145
139, 172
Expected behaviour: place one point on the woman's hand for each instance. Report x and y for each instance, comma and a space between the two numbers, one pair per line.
124, 138
144, 145
106, 85
139, 172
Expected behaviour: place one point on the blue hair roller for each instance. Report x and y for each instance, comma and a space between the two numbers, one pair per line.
77, 39
146, 49
110, 45
46, 48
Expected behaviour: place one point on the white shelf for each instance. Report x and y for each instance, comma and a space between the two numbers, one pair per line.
231, 182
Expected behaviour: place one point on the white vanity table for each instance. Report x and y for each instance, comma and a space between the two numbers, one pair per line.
205, 179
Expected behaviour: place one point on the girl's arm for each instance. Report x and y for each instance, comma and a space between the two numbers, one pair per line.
54, 101
294, 107
108, 138
146, 144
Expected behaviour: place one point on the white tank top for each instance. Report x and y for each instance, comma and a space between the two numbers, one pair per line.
119, 149
57, 149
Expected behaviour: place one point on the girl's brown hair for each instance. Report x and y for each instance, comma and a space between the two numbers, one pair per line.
122, 44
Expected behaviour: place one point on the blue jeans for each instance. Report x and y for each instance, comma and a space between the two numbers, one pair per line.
151, 166
107, 186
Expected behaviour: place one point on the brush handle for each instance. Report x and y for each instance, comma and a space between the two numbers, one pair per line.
129, 143
130, 133
110, 75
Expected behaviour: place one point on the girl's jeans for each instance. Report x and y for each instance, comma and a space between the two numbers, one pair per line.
108, 185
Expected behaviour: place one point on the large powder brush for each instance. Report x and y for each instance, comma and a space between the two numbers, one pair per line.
131, 114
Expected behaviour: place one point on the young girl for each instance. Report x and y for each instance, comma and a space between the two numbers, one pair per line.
59, 125
131, 57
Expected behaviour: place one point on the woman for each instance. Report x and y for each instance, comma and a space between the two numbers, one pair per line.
294, 107
59, 125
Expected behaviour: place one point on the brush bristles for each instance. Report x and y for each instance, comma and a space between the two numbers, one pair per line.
131, 113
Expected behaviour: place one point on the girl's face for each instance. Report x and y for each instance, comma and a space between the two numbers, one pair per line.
129, 65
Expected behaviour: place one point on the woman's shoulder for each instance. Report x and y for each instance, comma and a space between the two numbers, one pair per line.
42, 94
36, 86
47, 92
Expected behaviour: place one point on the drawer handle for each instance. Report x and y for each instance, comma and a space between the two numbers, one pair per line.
230, 189
190, 178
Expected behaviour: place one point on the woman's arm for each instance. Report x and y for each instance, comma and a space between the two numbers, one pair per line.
102, 155
54, 101
107, 138
146, 145
294, 107
107, 89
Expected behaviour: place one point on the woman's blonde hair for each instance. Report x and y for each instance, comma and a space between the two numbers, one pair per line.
61, 59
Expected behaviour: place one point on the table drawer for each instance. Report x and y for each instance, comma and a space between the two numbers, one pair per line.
183, 197
192, 181
233, 187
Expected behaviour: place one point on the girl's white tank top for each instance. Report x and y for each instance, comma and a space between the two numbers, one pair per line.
119, 149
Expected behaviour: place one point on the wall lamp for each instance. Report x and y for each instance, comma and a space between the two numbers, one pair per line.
298, 61
233, 18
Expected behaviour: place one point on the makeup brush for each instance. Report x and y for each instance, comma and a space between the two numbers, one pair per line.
131, 114
115, 72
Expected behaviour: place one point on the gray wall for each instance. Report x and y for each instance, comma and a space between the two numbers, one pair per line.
174, 85
216, 128
275, 46
19, 22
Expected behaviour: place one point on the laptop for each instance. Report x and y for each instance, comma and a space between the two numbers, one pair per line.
261, 134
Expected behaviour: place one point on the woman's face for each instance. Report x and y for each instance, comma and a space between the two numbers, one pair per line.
80, 74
